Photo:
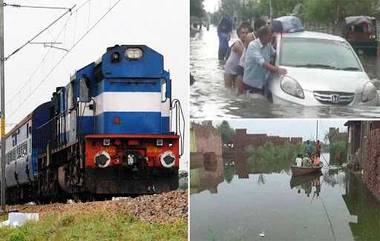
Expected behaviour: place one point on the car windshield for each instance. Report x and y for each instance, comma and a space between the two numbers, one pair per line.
318, 53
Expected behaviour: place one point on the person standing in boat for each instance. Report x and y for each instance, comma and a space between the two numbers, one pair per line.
309, 148
231, 67
318, 148
258, 65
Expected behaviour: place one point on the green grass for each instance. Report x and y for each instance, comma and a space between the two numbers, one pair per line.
98, 225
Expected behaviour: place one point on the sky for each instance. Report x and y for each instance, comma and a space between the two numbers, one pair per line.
211, 5
289, 127
162, 25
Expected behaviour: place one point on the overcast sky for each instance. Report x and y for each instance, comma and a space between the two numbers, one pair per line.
211, 5
290, 127
162, 25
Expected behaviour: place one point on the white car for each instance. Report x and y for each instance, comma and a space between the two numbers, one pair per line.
323, 69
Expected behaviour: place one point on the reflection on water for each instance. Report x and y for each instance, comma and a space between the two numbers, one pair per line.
232, 201
210, 99
310, 184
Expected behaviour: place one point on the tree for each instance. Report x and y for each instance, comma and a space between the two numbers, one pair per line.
279, 7
337, 10
249, 11
196, 8
226, 132
229, 7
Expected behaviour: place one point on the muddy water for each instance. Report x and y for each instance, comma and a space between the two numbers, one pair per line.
231, 200
210, 99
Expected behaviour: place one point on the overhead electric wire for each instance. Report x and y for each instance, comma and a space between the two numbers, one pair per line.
38, 34
45, 56
37, 68
30, 6
61, 59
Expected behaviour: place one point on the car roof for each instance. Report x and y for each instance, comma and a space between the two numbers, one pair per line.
314, 35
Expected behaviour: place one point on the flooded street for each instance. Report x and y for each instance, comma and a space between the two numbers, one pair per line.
235, 199
210, 99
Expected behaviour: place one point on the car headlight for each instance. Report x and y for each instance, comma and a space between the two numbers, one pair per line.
292, 87
133, 53
369, 92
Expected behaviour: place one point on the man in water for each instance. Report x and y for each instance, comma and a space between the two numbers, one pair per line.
224, 30
231, 67
258, 65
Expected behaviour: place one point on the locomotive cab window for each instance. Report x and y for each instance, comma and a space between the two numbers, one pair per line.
83, 90
163, 90
70, 96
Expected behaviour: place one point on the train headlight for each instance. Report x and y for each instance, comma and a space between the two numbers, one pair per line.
133, 53
102, 159
167, 159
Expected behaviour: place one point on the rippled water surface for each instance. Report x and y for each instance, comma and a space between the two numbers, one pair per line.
210, 99
233, 200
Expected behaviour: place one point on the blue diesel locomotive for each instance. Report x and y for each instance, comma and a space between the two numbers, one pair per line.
107, 132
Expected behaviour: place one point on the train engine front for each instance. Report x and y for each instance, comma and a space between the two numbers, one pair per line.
118, 112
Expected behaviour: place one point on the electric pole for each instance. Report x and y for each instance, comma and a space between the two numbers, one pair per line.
2, 84
316, 133
2, 106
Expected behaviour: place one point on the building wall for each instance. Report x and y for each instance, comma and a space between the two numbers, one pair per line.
371, 165
364, 148
241, 140
206, 138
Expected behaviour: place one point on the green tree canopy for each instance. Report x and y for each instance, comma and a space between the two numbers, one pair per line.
226, 132
196, 8
332, 11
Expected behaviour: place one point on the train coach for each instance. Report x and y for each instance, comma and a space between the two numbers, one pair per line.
112, 130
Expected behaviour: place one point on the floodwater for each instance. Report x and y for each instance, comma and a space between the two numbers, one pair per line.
210, 99
238, 200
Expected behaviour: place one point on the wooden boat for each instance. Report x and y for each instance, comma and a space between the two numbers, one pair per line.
299, 171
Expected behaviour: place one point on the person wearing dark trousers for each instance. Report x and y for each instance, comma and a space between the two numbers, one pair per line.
224, 30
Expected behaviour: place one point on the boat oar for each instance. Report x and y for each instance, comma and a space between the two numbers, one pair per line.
328, 165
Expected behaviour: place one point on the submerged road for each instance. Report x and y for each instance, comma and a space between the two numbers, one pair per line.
243, 200
210, 99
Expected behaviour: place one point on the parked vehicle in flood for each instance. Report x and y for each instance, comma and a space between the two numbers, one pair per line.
360, 32
323, 69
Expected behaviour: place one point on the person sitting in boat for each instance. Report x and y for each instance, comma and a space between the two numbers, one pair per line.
232, 64
299, 159
306, 162
309, 148
317, 160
